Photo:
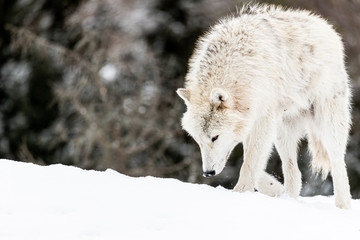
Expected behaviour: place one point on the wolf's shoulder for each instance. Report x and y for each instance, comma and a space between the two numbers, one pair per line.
271, 10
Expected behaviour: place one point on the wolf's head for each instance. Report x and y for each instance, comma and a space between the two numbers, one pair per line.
215, 123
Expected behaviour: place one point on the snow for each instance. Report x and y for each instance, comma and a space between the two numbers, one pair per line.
108, 73
62, 202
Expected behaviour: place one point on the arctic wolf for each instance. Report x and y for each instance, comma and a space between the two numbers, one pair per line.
270, 76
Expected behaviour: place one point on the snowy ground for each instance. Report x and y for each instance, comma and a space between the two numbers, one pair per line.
60, 202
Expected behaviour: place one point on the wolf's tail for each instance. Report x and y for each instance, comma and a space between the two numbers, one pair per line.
320, 162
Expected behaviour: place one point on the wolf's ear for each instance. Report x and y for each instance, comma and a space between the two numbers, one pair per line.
218, 97
184, 94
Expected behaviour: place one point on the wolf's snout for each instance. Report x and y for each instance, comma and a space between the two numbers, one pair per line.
209, 173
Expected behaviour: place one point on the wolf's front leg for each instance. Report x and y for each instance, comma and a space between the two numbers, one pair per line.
257, 148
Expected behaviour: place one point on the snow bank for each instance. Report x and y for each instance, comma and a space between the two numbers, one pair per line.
61, 202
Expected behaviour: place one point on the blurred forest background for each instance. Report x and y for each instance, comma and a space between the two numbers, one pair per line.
92, 84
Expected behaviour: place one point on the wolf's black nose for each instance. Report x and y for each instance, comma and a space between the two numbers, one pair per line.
209, 173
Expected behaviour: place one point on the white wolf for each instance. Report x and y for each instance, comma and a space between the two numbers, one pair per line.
270, 76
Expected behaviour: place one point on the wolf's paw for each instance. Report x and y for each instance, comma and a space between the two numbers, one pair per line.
243, 188
269, 185
343, 203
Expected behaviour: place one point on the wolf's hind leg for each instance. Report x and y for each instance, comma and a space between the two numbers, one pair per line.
331, 128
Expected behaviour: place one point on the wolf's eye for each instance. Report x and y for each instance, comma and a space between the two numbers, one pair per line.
213, 139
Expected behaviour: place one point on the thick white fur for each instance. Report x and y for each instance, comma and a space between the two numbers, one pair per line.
270, 76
